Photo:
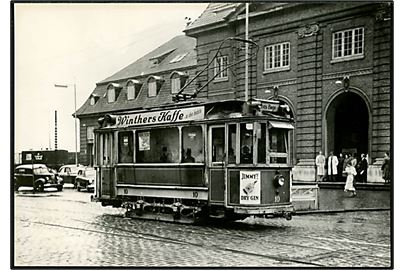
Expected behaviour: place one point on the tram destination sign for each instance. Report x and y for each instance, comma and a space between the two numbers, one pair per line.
161, 117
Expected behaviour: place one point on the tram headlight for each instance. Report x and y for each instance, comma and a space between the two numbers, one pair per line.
279, 180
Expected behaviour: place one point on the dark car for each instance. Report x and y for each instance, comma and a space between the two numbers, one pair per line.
37, 176
86, 178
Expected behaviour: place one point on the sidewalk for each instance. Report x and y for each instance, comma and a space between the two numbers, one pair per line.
332, 198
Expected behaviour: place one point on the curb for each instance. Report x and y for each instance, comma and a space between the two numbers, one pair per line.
332, 211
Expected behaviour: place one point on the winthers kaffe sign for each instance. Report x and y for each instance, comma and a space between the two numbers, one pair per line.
161, 117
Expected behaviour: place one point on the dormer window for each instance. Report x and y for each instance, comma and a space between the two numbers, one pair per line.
93, 99
178, 80
157, 59
113, 91
133, 88
154, 85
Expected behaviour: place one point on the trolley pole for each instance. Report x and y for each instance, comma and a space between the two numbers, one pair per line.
247, 54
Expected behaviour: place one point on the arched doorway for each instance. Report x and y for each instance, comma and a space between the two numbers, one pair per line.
347, 125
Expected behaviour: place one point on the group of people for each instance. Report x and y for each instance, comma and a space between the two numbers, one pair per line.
342, 168
348, 169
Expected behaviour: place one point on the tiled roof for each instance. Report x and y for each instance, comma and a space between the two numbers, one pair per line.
141, 70
177, 45
214, 13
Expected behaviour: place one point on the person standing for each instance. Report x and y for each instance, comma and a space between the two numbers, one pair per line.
362, 171
332, 166
351, 172
320, 166
340, 168
386, 168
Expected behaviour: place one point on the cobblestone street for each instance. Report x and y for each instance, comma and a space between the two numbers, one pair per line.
66, 229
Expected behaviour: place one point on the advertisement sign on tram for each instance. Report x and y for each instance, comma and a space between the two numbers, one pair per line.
161, 117
249, 187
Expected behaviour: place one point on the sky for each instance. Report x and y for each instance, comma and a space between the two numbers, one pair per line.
79, 44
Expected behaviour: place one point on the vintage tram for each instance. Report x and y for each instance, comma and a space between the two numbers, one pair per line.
191, 160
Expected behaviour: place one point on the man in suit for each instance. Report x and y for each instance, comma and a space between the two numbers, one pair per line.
362, 169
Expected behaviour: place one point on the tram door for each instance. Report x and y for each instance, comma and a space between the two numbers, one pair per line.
217, 173
105, 162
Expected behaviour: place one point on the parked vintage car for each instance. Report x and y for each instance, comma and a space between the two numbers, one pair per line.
38, 176
85, 179
69, 172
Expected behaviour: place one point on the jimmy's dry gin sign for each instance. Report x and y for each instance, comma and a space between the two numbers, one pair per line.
249, 187
161, 117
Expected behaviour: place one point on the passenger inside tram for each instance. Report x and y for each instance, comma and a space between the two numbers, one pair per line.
165, 156
189, 158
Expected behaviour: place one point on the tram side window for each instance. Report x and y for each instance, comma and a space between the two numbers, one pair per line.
106, 149
218, 144
157, 146
126, 147
278, 145
192, 145
246, 143
232, 144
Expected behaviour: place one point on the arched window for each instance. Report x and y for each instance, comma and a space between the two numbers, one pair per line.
154, 85
113, 91
177, 79
133, 88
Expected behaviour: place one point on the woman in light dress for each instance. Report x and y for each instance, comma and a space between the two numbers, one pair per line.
351, 172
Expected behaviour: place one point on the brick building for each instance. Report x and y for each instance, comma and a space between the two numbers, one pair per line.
329, 62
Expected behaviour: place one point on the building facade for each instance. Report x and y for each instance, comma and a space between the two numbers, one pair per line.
331, 63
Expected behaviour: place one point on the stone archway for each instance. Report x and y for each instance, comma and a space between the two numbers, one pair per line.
347, 122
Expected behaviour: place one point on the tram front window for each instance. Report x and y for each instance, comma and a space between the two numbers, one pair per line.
261, 143
157, 146
278, 145
192, 145
246, 143
126, 147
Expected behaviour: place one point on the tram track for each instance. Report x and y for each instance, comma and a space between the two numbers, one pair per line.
165, 239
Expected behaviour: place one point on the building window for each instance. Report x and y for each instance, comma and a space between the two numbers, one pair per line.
154, 85
133, 88
152, 89
92, 101
220, 67
110, 94
277, 56
178, 80
348, 43
90, 134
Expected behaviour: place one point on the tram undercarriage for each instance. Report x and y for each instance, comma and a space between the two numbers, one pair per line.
191, 211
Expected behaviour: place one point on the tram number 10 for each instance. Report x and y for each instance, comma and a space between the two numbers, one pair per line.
195, 194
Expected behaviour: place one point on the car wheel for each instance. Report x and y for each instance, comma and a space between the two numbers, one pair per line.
40, 186
78, 188
60, 188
